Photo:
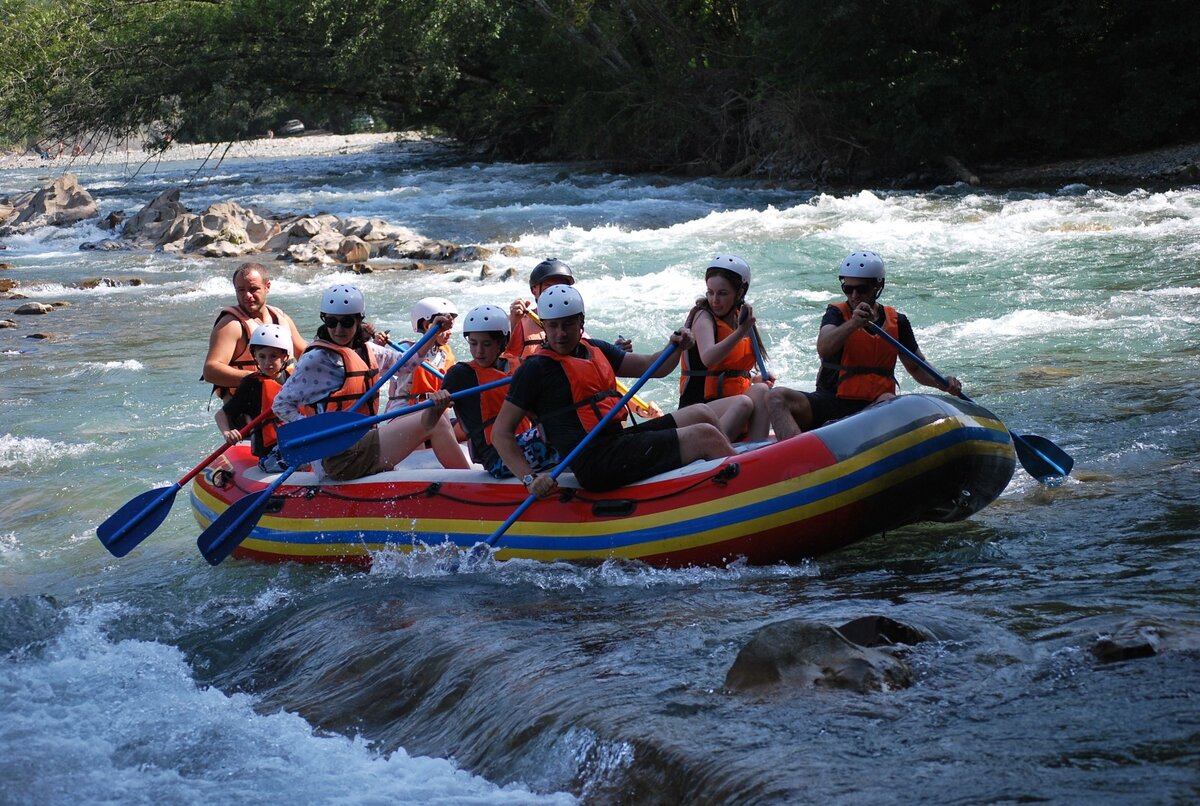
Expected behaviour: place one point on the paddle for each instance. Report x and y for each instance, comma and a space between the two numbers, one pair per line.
1040, 457
137, 520
335, 431
557, 471
228, 531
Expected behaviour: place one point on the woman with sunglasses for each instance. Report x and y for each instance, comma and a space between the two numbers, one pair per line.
857, 368
336, 370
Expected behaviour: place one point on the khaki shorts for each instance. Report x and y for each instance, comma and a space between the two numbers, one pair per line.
360, 459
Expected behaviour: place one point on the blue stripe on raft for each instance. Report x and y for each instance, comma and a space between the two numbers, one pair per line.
620, 539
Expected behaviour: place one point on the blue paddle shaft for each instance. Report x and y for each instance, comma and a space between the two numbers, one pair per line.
1017, 438
605, 420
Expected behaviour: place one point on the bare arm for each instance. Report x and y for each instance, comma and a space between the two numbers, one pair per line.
504, 440
221, 344
831, 339
713, 352
634, 365
953, 385
299, 345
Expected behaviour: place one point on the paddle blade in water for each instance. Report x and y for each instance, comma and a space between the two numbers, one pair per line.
227, 532
134, 522
321, 435
1041, 458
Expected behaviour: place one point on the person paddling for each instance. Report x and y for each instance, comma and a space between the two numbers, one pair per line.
406, 389
228, 359
857, 368
486, 328
337, 369
271, 347
719, 369
570, 384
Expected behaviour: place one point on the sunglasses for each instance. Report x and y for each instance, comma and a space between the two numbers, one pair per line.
861, 290
339, 321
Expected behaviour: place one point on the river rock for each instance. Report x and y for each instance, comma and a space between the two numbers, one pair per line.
306, 253
1143, 638
34, 309
63, 203
44, 336
7, 323
882, 631
353, 249
508, 250
110, 282
113, 220
154, 220
798, 654
7, 285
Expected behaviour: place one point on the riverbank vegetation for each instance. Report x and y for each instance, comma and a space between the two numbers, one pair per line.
828, 91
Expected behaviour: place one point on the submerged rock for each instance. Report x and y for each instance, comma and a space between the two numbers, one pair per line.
1144, 638
797, 654
33, 309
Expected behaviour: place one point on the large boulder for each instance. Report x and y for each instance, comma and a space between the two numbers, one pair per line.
353, 249
165, 213
798, 654
63, 203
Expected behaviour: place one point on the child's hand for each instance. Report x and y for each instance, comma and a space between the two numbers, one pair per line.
232, 436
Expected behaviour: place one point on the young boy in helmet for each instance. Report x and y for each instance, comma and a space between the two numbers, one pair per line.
720, 369
486, 328
570, 384
436, 355
857, 368
527, 334
271, 348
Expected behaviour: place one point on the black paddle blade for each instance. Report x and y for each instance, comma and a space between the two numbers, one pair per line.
1041, 458
309, 438
137, 520
227, 532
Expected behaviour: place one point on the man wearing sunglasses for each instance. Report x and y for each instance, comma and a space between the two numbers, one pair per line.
229, 359
857, 367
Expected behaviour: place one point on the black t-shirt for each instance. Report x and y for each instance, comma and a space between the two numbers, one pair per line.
469, 411
827, 376
540, 386
246, 403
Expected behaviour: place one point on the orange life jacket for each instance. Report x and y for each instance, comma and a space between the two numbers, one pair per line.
360, 375
867, 368
266, 434
242, 359
491, 400
593, 384
526, 338
425, 382
728, 377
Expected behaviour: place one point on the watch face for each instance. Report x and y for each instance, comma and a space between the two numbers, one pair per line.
527, 480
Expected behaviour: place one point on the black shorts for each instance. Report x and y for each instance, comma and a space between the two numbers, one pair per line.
827, 407
636, 453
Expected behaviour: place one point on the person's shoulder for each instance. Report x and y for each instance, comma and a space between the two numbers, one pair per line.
461, 375
251, 382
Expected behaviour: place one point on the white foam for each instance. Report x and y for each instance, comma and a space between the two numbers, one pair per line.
30, 451
91, 721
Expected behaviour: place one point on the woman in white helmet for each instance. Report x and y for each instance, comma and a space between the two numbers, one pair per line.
436, 355
486, 328
720, 369
334, 373
857, 368
271, 348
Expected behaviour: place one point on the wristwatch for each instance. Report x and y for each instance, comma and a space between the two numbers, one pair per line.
527, 479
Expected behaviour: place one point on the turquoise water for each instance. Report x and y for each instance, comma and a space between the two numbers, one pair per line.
1069, 312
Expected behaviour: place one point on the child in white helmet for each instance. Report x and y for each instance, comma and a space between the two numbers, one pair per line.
271, 347
436, 355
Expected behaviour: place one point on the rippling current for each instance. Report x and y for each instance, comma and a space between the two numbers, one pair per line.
1070, 312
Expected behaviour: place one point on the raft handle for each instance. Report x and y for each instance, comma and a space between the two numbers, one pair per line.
727, 474
614, 508
275, 504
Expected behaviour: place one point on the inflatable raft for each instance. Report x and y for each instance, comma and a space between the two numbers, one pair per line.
914, 458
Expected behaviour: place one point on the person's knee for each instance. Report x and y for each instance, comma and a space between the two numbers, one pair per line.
703, 441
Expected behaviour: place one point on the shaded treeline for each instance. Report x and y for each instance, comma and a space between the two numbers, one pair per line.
828, 90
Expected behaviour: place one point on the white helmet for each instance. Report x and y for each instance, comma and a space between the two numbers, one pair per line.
430, 307
867, 265
342, 300
732, 263
485, 319
559, 302
272, 336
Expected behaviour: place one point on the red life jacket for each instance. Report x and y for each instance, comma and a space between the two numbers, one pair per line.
728, 377
491, 400
242, 359
360, 375
867, 368
593, 384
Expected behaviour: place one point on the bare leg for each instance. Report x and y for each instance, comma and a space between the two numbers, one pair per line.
696, 414
398, 438
760, 418
731, 413
703, 441
790, 412
445, 445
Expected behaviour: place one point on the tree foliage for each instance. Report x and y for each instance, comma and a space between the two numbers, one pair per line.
797, 86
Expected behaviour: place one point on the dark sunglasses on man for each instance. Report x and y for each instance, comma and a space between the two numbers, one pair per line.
862, 289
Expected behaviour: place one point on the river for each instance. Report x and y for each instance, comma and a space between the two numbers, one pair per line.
1070, 312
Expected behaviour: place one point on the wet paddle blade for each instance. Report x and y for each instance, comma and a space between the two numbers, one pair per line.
321, 435
227, 532
137, 520
1041, 458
